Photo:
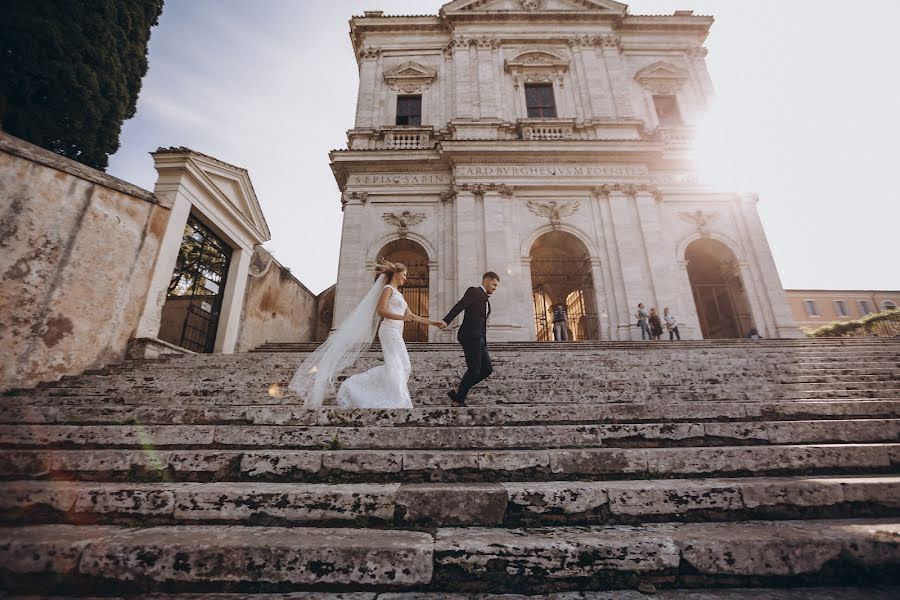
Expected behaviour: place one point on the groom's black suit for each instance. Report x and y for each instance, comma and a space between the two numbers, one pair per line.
473, 337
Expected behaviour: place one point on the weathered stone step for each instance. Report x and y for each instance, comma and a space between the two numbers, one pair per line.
808, 593
449, 437
526, 414
443, 504
666, 554
217, 558
447, 465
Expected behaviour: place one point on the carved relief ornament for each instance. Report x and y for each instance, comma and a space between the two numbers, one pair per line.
536, 65
553, 210
661, 78
369, 53
702, 220
410, 77
479, 189
403, 221
346, 197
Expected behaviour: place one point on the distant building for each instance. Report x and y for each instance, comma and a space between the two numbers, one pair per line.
814, 308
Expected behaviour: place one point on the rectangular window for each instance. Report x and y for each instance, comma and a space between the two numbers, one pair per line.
864, 308
841, 309
811, 309
409, 110
539, 100
667, 110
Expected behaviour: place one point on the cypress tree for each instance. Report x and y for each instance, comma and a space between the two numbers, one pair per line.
71, 70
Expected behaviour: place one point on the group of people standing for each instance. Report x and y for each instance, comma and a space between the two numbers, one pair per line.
651, 324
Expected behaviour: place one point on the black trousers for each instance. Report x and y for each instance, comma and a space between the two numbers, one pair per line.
478, 363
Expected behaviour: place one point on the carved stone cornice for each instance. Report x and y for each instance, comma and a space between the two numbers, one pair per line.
609, 41
369, 53
582, 41
487, 42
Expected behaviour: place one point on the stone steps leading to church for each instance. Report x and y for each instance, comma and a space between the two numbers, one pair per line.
410, 466
231, 558
428, 505
527, 414
583, 466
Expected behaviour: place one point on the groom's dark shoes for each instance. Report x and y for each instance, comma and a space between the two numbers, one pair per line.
455, 399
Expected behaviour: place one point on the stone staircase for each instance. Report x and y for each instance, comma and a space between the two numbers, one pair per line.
697, 468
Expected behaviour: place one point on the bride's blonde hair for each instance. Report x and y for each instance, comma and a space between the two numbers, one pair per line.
389, 268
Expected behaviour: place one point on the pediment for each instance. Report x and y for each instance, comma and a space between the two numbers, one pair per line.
535, 59
409, 76
232, 189
538, 6
661, 77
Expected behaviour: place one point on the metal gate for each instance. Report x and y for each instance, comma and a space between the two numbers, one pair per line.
198, 286
416, 293
569, 281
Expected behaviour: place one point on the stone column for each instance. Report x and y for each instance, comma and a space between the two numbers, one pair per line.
602, 308
763, 319
463, 72
511, 306
617, 303
433, 298
169, 247
785, 325
685, 308
633, 259
618, 77
368, 73
469, 234
598, 85
233, 300
352, 262
487, 86
579, 77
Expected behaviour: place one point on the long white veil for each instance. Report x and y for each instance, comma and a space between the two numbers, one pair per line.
316, 374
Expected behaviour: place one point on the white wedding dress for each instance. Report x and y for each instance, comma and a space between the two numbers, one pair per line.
384, 386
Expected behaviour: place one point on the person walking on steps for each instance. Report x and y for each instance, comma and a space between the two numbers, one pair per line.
560, 332
671, 324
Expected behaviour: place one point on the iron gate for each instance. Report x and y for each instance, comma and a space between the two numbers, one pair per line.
566, 280
198, 285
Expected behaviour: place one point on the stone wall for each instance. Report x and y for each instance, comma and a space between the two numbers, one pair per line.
77, 249
277, 307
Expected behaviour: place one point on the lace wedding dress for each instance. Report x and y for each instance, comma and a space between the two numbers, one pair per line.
384, 386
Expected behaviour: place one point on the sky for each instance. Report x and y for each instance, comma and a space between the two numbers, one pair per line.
805, 114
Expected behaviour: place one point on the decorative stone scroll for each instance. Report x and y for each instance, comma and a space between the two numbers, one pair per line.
346, 197
369, 52
702, 220
554, 210
403, 221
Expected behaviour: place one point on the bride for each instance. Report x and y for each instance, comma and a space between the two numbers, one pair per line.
384, 386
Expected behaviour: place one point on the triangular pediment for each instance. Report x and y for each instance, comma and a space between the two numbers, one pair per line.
473, 6
409, 77
536, 59
661, 70
232, 188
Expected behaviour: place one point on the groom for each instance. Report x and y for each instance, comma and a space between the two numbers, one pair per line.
473, 334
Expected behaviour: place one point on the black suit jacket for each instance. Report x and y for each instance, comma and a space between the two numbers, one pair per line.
477, 305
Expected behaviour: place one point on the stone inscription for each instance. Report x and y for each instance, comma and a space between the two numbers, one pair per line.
401, 179
555, 171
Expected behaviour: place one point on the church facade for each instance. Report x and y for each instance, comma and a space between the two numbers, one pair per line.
549, 141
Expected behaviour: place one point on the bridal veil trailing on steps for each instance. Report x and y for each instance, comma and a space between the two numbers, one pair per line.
384, 386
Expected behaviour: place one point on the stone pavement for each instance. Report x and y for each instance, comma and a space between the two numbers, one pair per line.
687, 467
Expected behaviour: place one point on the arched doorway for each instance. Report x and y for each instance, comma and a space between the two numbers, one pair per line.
561, 274
719, 294
414, 256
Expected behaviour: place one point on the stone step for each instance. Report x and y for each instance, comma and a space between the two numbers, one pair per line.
444, 504
412, 466
217, 558
807, 593
485, 438
528, 414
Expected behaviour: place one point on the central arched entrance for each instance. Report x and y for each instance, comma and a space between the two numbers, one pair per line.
414, 256
719, 294
561, 274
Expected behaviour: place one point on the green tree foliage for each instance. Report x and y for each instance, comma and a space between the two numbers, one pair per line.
71, 70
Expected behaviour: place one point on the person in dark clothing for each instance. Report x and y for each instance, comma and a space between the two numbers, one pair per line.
472, 334
655, 325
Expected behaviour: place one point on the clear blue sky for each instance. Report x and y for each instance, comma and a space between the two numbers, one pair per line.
806, 114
